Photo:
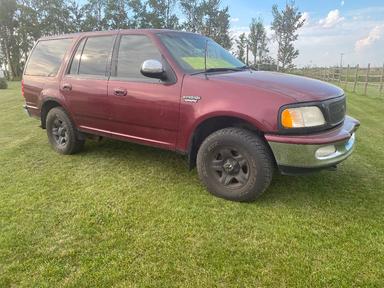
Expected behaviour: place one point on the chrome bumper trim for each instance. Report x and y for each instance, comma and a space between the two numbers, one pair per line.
304, 155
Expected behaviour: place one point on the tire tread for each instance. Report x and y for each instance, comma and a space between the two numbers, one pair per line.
249, 138
75, 144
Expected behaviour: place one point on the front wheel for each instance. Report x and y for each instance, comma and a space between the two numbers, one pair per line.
235, 164
62, 132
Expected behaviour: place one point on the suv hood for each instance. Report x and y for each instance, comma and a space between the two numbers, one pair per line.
299, 88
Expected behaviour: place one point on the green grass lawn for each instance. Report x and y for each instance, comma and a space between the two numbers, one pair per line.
125, 215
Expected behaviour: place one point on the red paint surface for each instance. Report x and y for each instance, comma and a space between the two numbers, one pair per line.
156, 114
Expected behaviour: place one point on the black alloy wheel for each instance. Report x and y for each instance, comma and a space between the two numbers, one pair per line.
235, 164
62, 133
230, 167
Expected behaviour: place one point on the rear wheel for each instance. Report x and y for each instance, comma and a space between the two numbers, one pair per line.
235, 164
62, 132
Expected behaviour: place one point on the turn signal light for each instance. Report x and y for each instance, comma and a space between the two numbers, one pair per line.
300, 117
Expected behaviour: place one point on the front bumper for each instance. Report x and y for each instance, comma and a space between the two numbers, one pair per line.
299, 154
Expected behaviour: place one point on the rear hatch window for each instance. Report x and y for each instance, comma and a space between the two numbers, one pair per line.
46, 57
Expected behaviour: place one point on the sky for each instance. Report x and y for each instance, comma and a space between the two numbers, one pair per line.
354, 28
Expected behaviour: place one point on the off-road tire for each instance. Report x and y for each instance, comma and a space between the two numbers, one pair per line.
57, 117
232, 142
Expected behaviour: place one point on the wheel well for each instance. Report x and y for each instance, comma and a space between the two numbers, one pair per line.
211, 125
48, 105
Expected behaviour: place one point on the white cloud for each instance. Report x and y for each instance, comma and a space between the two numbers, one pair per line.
234, 20
332, 19
342, 3
305, 16
375, 34
321, 46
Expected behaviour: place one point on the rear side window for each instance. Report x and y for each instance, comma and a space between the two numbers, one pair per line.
76, 59
133, 51
47, 56
95, 55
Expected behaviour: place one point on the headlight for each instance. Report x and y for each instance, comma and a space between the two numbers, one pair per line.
301, 117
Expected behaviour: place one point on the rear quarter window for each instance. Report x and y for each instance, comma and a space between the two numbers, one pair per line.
95, 55
46, 57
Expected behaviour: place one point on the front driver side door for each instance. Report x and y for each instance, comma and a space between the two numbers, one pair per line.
144, 110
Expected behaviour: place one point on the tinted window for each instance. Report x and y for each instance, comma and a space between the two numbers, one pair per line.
76, 59
195, 52
95, 55
133, 51
46, 57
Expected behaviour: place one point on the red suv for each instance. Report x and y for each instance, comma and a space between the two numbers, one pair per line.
183, 92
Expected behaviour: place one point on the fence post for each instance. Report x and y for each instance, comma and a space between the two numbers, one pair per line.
340, 73
381, 80
356, 78
367, 79
346, 78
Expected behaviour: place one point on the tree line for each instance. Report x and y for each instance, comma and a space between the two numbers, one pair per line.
22, 22
285, 24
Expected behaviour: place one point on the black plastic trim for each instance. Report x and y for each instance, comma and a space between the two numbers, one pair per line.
297, 171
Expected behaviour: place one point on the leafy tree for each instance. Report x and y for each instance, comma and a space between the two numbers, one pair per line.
258, 40
192, 9
51, 15
28, 29
241, 46
139, 14
285, 25
76, 16
216, 22
116, 15
94, 15
208, 18
2, 59
9, 40
160, 14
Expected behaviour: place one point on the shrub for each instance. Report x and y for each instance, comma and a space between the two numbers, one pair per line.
3, 83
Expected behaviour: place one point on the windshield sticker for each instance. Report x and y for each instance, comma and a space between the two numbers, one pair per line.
198, 63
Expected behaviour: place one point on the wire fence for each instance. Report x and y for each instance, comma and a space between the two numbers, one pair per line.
359, 80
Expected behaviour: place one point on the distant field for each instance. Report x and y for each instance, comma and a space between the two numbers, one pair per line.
124, 215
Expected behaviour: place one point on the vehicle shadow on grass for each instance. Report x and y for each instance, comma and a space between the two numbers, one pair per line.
137, 155
330, 186
335, 187
121, 149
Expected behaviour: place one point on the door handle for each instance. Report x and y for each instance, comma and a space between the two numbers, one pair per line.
66, 87
120, 92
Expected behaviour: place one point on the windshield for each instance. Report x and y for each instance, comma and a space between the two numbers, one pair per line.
189, 52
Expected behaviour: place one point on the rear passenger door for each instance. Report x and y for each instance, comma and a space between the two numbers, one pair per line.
144, 110
85, 84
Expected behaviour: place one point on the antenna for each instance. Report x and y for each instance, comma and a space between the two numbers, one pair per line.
205, 58
205, 55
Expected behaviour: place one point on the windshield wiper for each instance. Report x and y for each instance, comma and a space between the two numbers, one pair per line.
221, 69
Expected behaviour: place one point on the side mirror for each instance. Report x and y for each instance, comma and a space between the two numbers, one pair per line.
153, 69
